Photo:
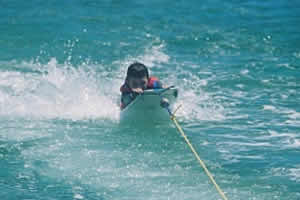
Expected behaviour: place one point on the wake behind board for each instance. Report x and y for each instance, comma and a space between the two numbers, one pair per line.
146, 107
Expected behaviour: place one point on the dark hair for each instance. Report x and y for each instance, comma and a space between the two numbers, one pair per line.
137, 70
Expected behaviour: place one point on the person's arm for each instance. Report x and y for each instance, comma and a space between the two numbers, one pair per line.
126, 99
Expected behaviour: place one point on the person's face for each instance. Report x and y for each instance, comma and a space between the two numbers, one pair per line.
135, 83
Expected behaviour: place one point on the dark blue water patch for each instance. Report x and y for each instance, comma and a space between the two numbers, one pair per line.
50, 26
22, 177
23, 183
92, 26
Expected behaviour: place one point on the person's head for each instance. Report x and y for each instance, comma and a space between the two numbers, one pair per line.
137, 76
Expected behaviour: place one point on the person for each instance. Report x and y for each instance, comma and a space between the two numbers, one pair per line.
137, 80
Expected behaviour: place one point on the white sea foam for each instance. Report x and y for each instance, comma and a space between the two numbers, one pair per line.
78, 196
269, 107
240, 86
197, 107
294, 173
154, 55
293, 143
265, 144
286, 65
236, 158
294, 117
244, 71
239, 94
276, 134
57, 91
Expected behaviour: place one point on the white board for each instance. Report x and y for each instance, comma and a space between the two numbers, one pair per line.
146, 107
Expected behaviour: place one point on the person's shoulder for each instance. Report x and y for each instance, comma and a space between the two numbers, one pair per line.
154, 83
152, 79
125, 89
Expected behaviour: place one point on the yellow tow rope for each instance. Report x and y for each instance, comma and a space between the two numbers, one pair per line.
173, 118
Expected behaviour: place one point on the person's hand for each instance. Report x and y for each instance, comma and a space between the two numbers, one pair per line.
164, 102
137, 90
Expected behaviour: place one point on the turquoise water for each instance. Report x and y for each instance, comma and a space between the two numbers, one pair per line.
236, 64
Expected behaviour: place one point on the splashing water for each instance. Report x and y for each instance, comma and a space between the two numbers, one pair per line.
56, 91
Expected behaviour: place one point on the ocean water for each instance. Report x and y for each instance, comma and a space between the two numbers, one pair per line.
237, 67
